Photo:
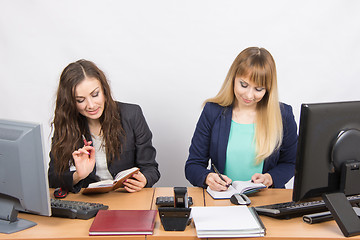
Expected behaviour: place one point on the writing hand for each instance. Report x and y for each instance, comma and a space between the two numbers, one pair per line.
215, 183
135, 183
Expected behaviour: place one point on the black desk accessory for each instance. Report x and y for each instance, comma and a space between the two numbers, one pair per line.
168, 201
323, 216
240, 199
176, 218
343, 213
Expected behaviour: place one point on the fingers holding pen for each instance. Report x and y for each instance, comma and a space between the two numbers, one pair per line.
84, 151
216, 183
86, 143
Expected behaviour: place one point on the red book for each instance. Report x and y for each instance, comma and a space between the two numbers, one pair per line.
122, 222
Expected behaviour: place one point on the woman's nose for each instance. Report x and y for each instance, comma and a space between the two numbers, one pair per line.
250, 94
90, 103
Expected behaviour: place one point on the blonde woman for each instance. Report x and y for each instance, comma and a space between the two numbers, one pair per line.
244, 130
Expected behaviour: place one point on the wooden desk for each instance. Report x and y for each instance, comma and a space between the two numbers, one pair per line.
283, 229
64, 228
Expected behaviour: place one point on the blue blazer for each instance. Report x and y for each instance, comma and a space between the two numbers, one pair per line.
210, 141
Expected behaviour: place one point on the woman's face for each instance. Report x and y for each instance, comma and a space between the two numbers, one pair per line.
247, 93
90, 100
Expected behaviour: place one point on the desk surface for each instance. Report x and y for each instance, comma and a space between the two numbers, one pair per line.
63, 228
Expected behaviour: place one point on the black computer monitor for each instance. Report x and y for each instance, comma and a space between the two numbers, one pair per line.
328, 159
329, 137
23, 179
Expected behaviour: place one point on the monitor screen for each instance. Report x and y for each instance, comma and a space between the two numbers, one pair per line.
329, 135
23, 180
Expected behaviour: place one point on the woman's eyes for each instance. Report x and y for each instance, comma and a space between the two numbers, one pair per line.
245, 85
81, 100
259, 89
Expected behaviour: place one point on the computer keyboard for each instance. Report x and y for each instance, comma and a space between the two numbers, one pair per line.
293, 209
75, 209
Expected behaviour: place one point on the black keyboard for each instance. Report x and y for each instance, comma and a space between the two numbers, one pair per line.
75, 209
289, 210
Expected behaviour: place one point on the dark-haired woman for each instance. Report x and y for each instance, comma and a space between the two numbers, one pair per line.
117, 136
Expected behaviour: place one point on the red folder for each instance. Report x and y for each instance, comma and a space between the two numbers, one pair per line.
122, 222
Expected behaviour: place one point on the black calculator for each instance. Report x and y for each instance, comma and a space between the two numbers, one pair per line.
168, 201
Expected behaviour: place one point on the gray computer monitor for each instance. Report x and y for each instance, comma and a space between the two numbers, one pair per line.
23, 181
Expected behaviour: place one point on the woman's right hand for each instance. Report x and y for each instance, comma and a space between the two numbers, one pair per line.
84, 159
215, 183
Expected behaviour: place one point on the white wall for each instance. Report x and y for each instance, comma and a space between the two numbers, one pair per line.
169, 56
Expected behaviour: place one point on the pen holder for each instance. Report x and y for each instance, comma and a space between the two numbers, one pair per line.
174, 219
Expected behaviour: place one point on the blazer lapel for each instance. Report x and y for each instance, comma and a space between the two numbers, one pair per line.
225, 124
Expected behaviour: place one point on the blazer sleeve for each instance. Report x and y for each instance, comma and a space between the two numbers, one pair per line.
284, 168
199, 151
144, 150
65, 180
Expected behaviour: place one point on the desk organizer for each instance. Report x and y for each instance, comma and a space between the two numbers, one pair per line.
174, 219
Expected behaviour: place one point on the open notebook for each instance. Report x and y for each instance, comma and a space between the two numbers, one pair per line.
245, 187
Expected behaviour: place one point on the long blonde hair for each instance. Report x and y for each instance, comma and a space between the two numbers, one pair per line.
259, 66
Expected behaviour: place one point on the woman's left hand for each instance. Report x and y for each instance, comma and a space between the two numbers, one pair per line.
265, 179
135, 183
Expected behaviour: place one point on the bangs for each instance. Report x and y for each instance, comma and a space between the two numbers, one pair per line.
257, 72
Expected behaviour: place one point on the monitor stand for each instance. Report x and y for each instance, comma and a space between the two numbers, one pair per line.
343, 213
9, 223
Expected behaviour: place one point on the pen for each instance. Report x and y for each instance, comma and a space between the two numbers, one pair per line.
217, 172
85, 142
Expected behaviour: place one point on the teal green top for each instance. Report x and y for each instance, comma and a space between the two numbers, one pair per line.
240, 154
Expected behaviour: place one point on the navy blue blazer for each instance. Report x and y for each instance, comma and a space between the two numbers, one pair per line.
210, 141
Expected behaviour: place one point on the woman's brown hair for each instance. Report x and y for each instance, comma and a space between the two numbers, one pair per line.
69, 125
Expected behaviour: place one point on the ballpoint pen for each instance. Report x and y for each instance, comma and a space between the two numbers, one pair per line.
84, 139
217, 172
85, 142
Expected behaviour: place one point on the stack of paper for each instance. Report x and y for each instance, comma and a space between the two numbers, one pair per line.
230, 221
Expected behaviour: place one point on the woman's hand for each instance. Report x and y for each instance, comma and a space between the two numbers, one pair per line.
265, 179
84, 159
215, 183
135, 183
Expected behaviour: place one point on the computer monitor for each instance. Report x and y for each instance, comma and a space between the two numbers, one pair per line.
329, 137
23, 179
328, 159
